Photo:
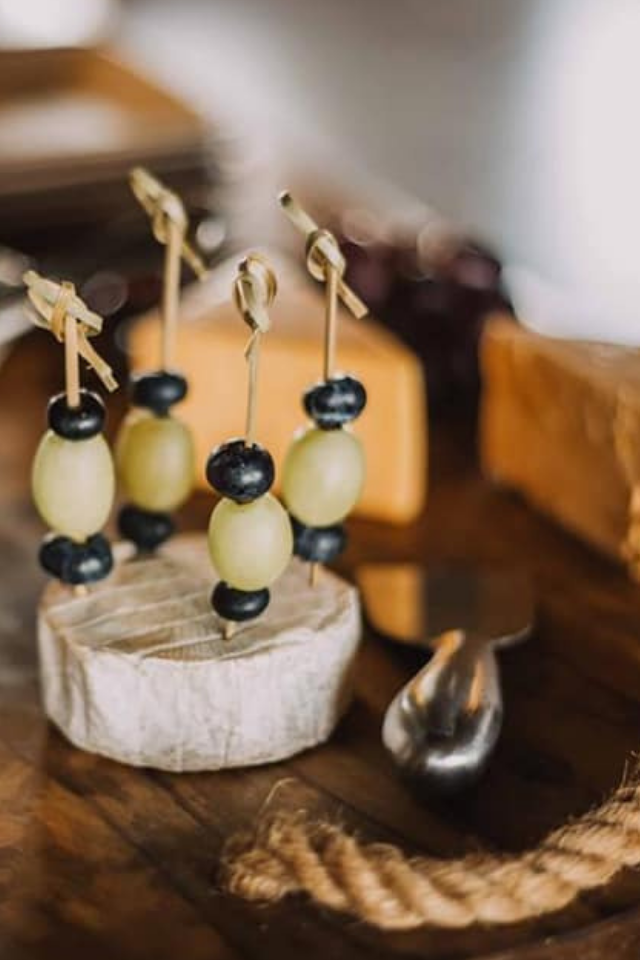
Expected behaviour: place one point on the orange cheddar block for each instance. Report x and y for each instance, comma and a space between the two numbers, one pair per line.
560, 423
210, 352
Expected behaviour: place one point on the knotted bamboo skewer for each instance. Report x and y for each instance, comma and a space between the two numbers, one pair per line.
381, 885
59, 309
326, 263
254, 290
169, 224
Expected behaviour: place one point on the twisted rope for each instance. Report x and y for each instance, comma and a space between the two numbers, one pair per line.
378, 883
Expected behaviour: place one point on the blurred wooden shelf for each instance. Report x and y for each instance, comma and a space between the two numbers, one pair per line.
72, 124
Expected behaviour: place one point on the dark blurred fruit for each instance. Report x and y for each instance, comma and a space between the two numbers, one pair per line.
318, 544
436, 301
158, 391
147, 529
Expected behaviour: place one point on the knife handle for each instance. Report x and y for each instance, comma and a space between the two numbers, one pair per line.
453, 683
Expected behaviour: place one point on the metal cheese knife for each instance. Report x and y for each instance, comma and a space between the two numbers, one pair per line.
444, 723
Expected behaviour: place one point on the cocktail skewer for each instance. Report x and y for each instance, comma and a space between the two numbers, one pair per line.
250, 538
323, 472
155, 451
169, 224
73, 481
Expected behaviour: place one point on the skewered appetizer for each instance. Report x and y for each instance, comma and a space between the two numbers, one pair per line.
154, 452
324, 469
72, 479
250, 539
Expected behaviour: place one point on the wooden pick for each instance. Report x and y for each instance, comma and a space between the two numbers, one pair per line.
323, 252
171, 293
325, 262
169, 224
254, 290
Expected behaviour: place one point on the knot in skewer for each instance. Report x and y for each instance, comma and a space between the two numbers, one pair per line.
167, 214
59, 309
53, 301
323, 255
254, 290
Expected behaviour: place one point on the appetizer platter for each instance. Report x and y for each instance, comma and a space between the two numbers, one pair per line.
216, 649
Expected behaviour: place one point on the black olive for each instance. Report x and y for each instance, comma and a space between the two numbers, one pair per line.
335, 402
240, 472
238, 605
158, 391
318, 544
146, 528
77, 563
76, 423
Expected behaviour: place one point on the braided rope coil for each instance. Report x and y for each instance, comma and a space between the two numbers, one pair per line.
379, 884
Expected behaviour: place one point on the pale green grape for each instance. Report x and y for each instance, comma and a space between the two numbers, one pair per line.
155, 458
251, 543
323, 476
73, 484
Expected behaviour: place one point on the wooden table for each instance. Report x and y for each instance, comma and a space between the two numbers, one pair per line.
101, 861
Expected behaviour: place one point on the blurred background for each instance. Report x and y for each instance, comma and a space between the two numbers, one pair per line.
512, 118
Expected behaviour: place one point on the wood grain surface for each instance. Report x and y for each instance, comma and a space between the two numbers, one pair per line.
99, 860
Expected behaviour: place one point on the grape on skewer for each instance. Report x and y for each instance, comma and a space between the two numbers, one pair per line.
155, 451
72, 478
324, 469
250, 538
